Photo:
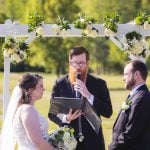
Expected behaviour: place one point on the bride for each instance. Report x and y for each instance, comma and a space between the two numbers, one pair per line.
23, 124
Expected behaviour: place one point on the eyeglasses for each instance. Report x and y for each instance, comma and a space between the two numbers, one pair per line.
75, 64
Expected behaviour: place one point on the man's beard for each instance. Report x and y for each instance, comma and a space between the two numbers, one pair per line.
73, 74
130, 84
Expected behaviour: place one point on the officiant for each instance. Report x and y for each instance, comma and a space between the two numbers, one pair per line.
93, 90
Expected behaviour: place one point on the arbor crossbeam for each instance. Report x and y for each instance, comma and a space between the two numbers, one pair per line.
22, 30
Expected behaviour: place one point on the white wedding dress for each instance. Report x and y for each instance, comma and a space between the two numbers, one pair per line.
20, 135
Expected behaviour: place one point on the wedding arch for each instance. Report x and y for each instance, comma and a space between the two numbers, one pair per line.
19, 30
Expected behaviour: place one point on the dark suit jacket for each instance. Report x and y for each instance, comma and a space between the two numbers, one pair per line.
131, 130
102, 106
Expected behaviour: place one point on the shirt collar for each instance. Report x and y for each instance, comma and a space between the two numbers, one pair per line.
134, 91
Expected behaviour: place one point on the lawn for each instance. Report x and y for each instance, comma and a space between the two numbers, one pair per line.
117, 94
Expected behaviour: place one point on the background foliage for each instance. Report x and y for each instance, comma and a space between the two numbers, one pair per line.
50, 54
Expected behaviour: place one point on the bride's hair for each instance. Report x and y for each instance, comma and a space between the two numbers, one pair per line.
26, 83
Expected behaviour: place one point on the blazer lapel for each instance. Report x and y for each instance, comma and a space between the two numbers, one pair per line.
120, 111
70, 88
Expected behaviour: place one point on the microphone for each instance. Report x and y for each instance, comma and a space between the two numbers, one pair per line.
78, 76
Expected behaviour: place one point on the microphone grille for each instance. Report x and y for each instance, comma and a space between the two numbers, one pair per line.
78, 76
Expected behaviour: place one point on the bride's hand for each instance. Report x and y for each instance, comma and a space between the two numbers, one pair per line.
73, 115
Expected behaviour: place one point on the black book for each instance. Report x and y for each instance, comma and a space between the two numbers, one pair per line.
64, 104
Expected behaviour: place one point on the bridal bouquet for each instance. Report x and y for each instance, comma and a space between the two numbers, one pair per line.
63, 139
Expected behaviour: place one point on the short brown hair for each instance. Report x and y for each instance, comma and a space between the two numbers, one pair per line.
79, 50
140, 66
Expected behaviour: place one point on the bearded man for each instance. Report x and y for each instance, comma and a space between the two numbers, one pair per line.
93, 89
131, 130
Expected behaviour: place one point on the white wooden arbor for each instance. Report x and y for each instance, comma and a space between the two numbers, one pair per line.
19, 30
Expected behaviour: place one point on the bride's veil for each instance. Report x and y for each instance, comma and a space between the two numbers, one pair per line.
7, 139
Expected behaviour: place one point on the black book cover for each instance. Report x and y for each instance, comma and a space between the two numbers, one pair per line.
64, 104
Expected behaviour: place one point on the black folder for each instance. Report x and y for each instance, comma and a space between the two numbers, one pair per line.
64, 104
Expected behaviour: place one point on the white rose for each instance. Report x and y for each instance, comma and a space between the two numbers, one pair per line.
70, 145
125, 106
82, 19
136, 51
23, 54
15, 57
56, 28
5, 53
67, 145
12, 50
126, 46
89, 27
138, 47
66, 136
73, 144
40, 30
88, 30
146, 44
64, 32
146, 25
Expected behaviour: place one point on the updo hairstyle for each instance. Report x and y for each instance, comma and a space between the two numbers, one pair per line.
27, 82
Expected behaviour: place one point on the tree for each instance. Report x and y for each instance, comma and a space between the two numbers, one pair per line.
53, 50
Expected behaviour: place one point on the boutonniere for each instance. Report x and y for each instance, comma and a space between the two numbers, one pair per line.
126, 105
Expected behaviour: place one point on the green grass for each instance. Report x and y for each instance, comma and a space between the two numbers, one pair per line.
117, 93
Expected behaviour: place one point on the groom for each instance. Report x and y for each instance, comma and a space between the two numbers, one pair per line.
131, 130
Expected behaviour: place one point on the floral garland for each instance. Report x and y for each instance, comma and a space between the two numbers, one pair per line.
62, 27
110, 23
143, 19
135, 45
35, 22
132, 43
85, 24
15, 49
63, 139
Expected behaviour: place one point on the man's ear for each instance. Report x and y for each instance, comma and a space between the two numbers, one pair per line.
137, 74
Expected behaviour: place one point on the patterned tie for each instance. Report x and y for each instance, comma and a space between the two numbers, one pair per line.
128, 97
